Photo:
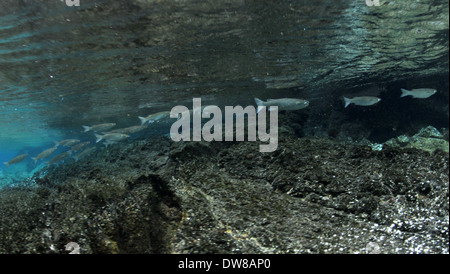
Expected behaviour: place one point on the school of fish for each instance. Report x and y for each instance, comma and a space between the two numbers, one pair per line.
116, 135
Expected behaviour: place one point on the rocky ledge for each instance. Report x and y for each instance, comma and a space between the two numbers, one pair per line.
309, 196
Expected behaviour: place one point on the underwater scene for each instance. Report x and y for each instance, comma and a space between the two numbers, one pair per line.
224, 126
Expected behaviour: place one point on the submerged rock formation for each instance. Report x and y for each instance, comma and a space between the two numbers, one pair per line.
428, 139
310, 196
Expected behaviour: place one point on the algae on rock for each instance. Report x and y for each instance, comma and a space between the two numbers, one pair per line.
427, 139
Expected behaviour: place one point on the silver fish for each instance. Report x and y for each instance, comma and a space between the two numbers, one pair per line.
128, 130
362, 100
154, 117
71, 143
84, 153
100, 127
418, 93
58, 158
44, 154
67, 142
283, 103
111, 137
16, 159
79, 146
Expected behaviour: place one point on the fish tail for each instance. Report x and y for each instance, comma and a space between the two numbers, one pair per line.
405, 92
260, 104
347, 101
6, 163
142, 120
86, 128
99, 137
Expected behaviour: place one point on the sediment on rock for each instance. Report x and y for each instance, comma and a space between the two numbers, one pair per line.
309, 196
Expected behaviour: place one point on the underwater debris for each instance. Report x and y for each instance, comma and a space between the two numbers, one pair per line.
362, 100
418, 93
16, 159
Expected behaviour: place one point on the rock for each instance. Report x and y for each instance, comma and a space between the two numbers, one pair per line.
403, 139
309, 196
429, 132
427, 139
376, 147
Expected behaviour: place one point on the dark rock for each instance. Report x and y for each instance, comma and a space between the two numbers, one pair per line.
309, 196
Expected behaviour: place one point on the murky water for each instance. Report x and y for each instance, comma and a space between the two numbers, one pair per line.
111, 61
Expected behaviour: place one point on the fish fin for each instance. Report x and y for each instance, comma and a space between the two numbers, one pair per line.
259, 108
143, 121
34, 159
6, 163
99, 137
260, 104
86, 128
347, 101
405, 92
56, 143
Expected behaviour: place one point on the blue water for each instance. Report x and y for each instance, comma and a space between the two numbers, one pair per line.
112, 61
